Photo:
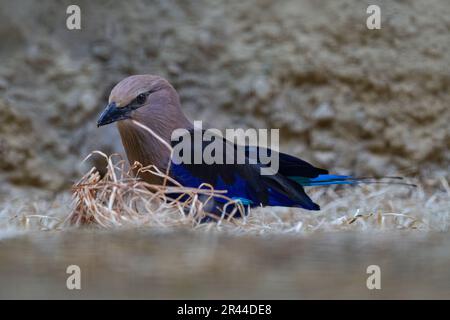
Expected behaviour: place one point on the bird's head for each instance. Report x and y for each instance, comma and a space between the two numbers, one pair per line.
138, 97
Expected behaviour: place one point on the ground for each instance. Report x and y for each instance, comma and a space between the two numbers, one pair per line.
189, 265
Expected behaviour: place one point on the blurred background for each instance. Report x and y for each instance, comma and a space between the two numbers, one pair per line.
359, 101
367, 102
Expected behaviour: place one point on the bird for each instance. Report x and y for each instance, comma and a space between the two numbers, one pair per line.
151, 101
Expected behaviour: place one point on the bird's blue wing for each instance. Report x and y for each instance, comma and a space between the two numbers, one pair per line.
244, 182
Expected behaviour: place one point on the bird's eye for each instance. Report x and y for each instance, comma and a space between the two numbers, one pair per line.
140, 99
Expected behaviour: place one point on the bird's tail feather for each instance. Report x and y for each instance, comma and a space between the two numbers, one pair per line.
332, 179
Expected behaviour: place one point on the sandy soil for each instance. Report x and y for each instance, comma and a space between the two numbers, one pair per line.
186, 265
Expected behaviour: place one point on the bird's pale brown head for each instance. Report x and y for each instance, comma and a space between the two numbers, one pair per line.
153, 102
132, 95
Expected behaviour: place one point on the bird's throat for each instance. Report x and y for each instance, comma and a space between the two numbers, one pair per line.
141, 146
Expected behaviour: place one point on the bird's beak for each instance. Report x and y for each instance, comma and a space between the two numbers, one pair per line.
112, 114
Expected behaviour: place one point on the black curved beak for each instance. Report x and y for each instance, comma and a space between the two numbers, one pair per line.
112, 114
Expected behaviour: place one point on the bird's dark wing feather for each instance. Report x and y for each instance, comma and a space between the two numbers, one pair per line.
289, 165
245, 182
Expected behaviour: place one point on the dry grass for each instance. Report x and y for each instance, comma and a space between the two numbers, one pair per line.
120, 200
